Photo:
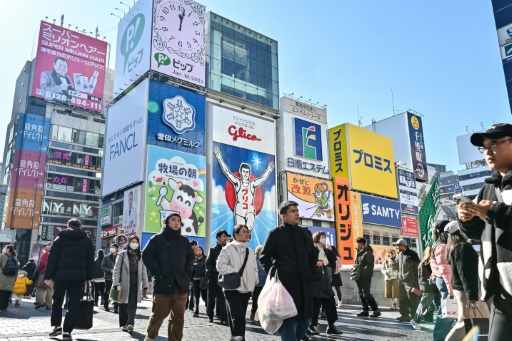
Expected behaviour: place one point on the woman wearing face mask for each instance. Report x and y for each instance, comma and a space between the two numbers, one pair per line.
130, 277
6, 282
198, 278
322, 293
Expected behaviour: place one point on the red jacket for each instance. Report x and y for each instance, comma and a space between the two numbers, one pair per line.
42, 263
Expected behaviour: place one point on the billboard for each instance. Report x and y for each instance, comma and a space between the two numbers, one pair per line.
410, 227
133, 45
175, 182
330, 233
178, 48
125, 140
314, 196
106, 215
419, 156
307, 152
357, 215
243, 176
176, 118
70, 67
28, 169
381, 211
24, 208
407, 191
33, 132
338, 152
345, 240
130, 208
428, 213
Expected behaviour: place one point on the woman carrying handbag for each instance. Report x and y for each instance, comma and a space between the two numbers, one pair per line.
130, 278
237, 258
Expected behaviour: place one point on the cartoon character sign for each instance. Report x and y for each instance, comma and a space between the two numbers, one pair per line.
313, 195
322, 195
243, 190
175, 183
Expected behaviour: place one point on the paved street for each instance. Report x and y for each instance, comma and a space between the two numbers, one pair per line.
27, 323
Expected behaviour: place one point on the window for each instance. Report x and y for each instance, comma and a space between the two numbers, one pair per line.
367, 237
65, 134
386, 241
91, 139
376, 240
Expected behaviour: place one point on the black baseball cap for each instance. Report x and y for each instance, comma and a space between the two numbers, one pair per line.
496, 131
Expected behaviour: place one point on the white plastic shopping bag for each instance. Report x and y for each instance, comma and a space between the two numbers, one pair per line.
449, 308
275, 302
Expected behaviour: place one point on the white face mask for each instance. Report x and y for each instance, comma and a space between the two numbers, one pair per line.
134, 246
112, 250
322, 240
21, 275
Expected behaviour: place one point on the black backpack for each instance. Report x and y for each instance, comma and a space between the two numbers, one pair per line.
11, 267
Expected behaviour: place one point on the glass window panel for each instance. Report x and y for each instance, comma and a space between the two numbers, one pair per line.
54, 132
65, 134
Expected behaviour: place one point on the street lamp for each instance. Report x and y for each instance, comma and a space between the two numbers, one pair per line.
125, 5
120, 10
115, 15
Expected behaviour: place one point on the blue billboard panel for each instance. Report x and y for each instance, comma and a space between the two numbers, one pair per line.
33, 132
380, 211
176, 118
330, 233
417, 141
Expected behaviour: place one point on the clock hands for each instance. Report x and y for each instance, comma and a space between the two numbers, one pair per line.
181, 16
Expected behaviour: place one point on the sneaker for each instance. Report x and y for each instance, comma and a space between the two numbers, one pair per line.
40, 305
130, 328
376, 313
312, 330
363, 313
107, 309
67, 336
415, 325
340, 304
332, 330
56, 331
124, 328
403, 319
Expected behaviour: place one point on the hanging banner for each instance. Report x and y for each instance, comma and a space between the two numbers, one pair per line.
314, 196
357, 215
409, 227
428, 213
344, 231
408, 192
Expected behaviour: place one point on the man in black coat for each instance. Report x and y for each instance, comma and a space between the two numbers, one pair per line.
365, 260
107, 265
409, 296
70, 264
170, 259
214, 290
290, 249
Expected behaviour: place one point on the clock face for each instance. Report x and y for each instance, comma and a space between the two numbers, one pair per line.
179, 26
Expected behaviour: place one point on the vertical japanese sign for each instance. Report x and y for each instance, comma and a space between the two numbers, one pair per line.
314, 196
27, 178
106, 215
357, 216
407, 191
428, 213
419, 156
130, 209
70, 68
344, 231
175, 182
179, 41
338, 147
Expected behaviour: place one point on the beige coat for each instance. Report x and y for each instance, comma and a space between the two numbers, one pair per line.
121, 277
6, 283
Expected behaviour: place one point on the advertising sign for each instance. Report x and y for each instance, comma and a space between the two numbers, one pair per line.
407, 191
419, 156
344, 230
428, 213
303, 110
175, 183
243, 177
178, 48
54, 206
380, 211
505, 35
74, 159
330, 233
130, 205
338, 152
380, 252
33, 132
371, 158
110, 232
176, 118
28, 169
409, 227
70, 67
314, 196
24, 208
133, 45
357, 215
125, 140
106, 215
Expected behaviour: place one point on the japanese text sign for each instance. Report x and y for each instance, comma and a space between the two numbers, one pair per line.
344, 231
419, 156
338, 147
409, 227
408, 192
314, 196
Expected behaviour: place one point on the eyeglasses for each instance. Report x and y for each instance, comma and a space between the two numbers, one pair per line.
491, 145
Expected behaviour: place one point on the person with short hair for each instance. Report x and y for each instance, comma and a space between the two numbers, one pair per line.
289, 248
98, 281
6, 282
43, 292
231, 260
31, 269
198, 277
409, 296
56, 81
70, 266
107, 265
169, 257
390, 270
365, 260
214, 290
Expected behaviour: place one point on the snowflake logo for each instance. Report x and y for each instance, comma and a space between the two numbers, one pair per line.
179, 115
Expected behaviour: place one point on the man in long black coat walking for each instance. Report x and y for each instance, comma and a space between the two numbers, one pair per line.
290, 249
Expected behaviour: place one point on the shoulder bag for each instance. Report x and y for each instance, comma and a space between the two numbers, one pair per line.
232, 280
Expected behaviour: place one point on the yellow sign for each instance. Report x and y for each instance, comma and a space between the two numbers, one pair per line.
338, 147
372, 167
314, 196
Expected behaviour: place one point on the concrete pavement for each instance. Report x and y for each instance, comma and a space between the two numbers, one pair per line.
27, 323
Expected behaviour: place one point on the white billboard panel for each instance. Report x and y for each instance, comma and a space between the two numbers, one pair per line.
133, 45
130, 210
467, 152
178, 48
125, 140
505, 35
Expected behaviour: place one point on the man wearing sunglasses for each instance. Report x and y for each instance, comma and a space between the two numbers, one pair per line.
489, 219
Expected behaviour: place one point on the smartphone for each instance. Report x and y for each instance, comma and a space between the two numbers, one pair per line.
459, 198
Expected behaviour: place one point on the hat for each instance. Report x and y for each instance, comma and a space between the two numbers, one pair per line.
173, 214
452, 227
496, 131
400, 241
283, 208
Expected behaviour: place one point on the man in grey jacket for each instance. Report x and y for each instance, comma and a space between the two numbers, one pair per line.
108, 268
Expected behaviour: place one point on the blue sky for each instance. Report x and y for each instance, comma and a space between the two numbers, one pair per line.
440, 58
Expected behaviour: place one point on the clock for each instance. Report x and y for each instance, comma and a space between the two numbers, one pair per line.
179, 25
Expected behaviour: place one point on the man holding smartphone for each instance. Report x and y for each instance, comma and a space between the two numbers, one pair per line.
489, 219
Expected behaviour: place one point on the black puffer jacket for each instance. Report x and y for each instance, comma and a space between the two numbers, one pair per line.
408, 262
170, 259
71, 257
30, 268
199, 268
366, 261
98, 272
464, 262
211, 263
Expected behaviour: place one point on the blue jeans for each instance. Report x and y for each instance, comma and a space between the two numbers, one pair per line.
443, 325
293, 330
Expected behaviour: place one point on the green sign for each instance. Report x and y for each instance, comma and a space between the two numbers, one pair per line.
105, 215
428, 213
